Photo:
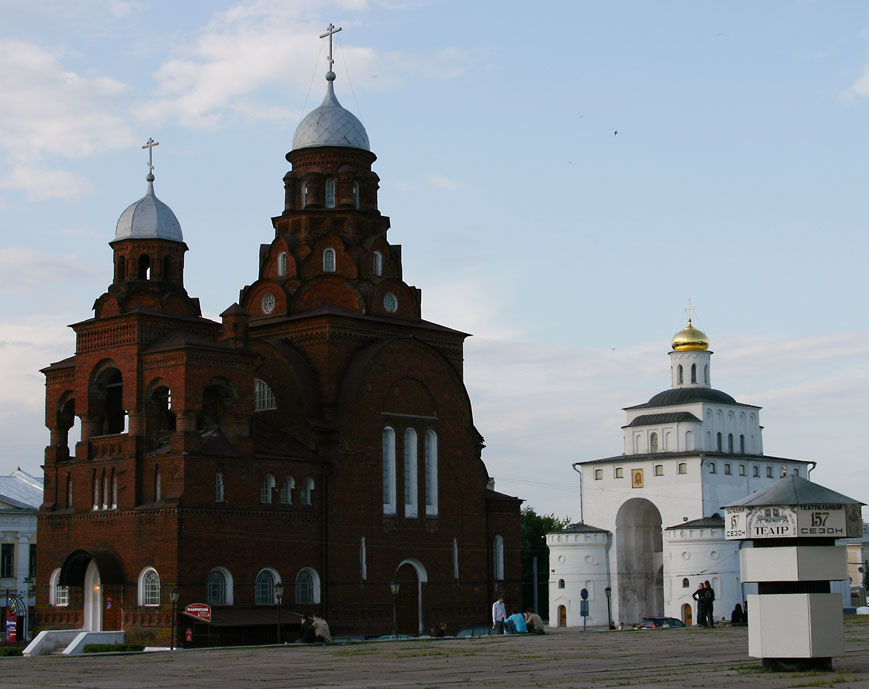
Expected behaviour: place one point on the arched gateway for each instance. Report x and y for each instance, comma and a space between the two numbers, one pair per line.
95, 582
639, 548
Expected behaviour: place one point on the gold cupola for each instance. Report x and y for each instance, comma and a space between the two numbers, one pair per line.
690, 339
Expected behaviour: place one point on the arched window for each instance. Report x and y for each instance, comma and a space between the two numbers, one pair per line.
304, 191
659, 470
718, 445
682, 468
105, 490
456, 559
411, 498
431, 472
308, 586
114, 491
158, 488
287, 488
58, 595
307, 491
144, 267
363, 560
619, 472
263, 397
499, 557
149, 587
730, 442
378, 264
653, 442
282, 264
679, 376
329, 261
693, 373
706, 374
742, 443
689, 440
769, 472
69, 502
755, 471
218, 587
122, 269
712, 468
356, 195
109, 389
266, 488
561, 583
330, 192
96, 491
265, 587
218, 487
388, 471
727, 469
685, 583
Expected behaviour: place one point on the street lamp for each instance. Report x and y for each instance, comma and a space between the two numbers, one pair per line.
394, 588
279, 594
173, 596
609, 611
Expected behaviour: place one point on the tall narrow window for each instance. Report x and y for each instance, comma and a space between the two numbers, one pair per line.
356, 195
96, 491
307, 491
363, 560
306, 587
730, 442
114, 490
158, 488
263, 397
218, 487
410, 475
689, 440
144, 267
105, 490
388, 471
653, 442
265, 588
330, 192
282, 264
266, 488
456, 559
69, 502
755, 471
682, 468
741, 443
679, 377
378, 264
706, 374
499, 557
57, 595
31, 561
304, 191
329, 261
718, 445
215, 588
149, 587
431, 472
168, 268
287, 490
122, 269
693, 373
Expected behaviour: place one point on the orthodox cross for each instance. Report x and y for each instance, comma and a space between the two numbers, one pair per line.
150, 146
690, 311
329, 32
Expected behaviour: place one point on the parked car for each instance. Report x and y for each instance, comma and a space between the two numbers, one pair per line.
661, 622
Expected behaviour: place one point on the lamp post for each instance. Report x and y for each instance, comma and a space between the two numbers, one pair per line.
173, 596
609, 611
394, 588
279, 594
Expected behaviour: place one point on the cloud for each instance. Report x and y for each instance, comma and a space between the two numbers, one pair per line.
860, 88
24, 270
48, 110
46, 184
442, 182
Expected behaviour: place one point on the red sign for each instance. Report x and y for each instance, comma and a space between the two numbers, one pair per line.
188, 635
199, 611
11, 629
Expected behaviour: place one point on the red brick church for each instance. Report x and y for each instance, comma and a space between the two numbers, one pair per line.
319, 441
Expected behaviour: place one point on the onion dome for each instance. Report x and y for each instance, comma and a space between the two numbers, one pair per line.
149, 218
690, 339
330, 125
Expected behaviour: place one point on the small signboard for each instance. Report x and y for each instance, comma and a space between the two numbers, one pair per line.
583, 608
11, 629
791, 521
584, 594
200, 611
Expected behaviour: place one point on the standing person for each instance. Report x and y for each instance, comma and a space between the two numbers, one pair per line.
321, 629
499, 615
701, 604
533, 622
709, 597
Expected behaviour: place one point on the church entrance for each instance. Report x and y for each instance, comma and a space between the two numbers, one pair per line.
687, 614
562, 616
410, 576
93, 599
639, 553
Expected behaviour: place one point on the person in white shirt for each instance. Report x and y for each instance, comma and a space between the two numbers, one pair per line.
499, 615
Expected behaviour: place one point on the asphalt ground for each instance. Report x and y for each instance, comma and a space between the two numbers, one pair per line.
691, 657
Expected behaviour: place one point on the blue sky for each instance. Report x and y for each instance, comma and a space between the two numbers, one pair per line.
737, 179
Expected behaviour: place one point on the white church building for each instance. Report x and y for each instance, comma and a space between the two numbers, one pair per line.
652, 527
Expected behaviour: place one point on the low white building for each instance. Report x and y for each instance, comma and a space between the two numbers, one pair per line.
656, 509
20, 498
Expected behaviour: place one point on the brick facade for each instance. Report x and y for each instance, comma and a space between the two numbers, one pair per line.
172, 469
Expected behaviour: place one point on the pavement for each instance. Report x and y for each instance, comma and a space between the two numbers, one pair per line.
564, 658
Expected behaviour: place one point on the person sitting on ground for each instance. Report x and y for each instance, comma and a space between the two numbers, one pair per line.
516, 623
737, 617
307, 635
533, 622
442, 630
321, 628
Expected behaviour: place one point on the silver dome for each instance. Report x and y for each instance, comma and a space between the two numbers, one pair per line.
330, 125
149, 218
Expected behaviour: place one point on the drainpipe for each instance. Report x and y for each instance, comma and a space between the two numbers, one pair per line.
578, 470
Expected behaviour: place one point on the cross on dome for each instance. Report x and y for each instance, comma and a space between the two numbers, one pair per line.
149, 144
330, 32
690, 311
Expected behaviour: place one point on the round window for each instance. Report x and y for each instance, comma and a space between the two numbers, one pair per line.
390, 302
268, 302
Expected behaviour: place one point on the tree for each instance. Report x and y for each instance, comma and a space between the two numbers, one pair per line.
534, 529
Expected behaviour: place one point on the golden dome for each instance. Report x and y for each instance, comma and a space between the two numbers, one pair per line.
690, 339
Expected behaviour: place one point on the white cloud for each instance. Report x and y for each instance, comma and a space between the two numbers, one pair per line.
860, 88
41, 184
24, 270
442, 182
46, 109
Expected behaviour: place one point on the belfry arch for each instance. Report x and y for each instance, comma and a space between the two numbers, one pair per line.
639, 552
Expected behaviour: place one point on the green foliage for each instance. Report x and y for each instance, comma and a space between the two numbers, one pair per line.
10, 651
112, 648
534, 529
